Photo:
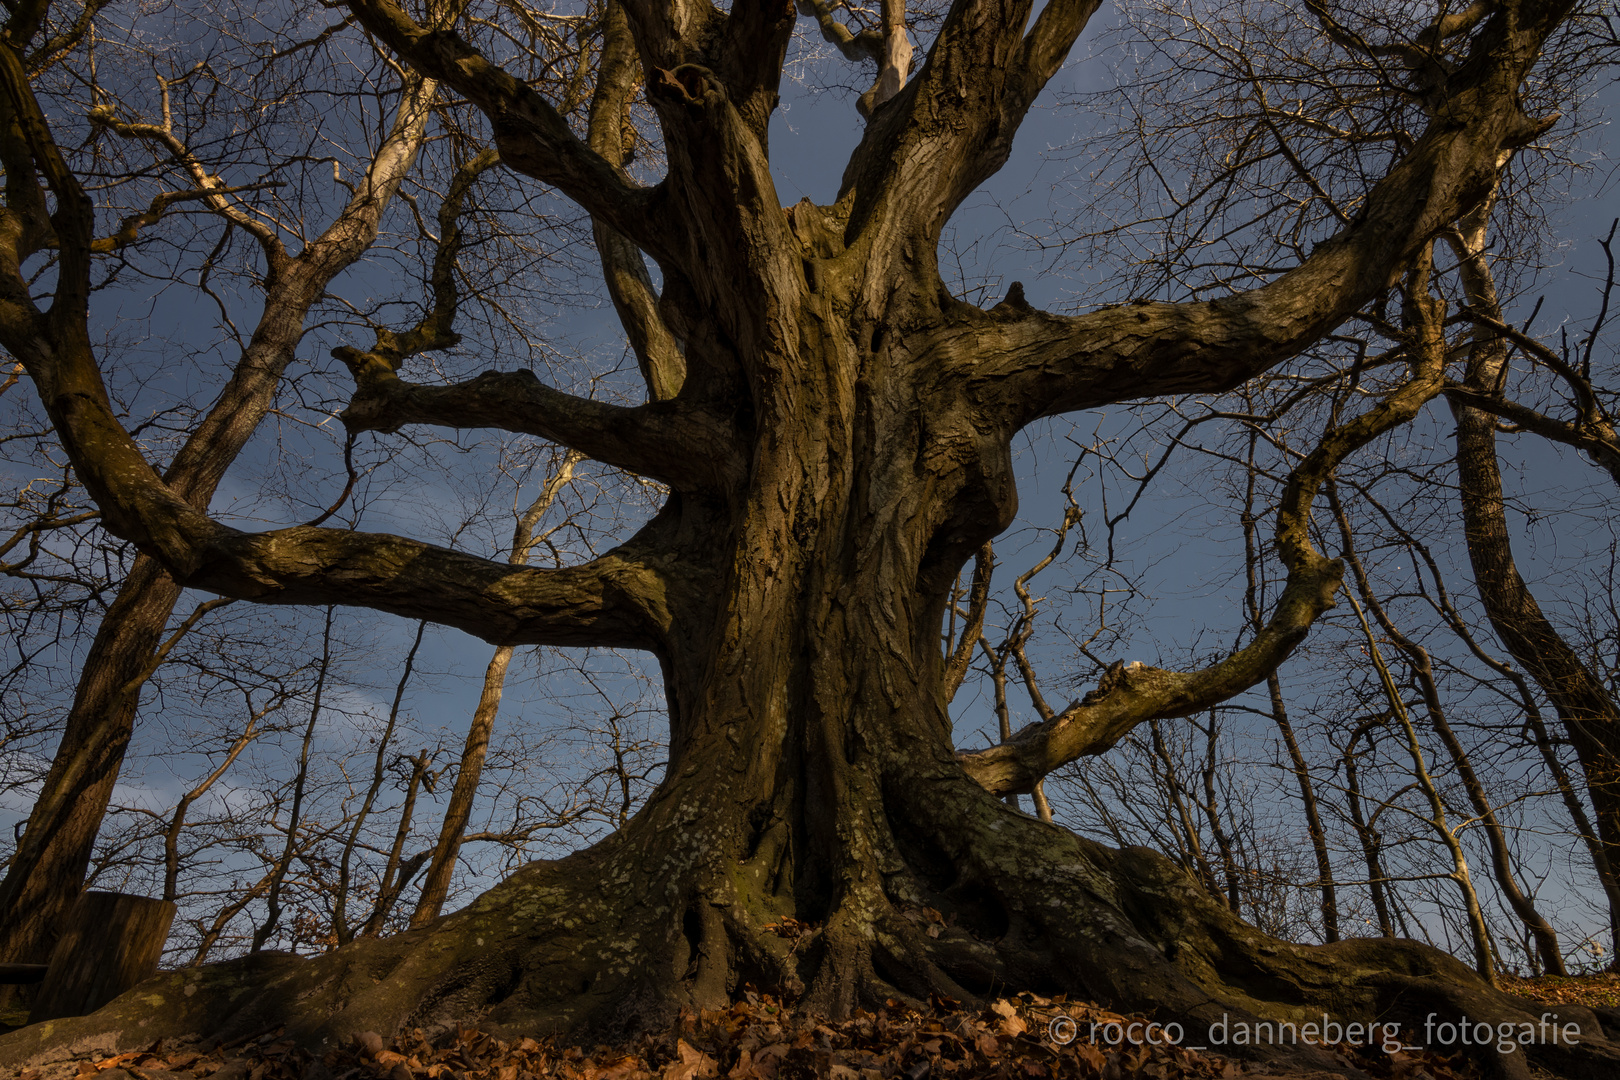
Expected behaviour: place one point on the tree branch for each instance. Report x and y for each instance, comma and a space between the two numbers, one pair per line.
952, 127
436, 328
617, 599
210, 189
623, 267
1597, 439
674, 443
1023, 364
956, 667
1128, 696
856, 46
533, 137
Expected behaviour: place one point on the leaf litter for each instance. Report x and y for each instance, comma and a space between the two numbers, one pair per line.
758, 1038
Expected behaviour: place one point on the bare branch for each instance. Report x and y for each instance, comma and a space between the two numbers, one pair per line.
533, 137
623, 267
1128, 696
856, 46
956, 668
952, 126
1044, 365
678, 444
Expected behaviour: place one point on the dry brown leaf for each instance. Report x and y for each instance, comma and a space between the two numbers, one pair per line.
692, 1064
1090, 1055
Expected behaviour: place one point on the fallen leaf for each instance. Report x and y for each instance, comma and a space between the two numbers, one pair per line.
693, 1064
1090, 1055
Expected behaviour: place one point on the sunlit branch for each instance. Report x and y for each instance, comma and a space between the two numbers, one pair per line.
1129, 696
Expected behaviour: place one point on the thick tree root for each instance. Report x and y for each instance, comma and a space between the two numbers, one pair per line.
581, 946
1387, 981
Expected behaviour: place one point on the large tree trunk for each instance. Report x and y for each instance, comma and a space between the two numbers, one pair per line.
836, 447
812, 781
618, 938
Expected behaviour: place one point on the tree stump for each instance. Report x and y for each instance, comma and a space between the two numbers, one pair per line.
112, 942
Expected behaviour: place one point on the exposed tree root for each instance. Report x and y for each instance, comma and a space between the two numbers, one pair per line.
577, 947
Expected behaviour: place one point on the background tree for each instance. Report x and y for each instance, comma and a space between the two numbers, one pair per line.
47, 870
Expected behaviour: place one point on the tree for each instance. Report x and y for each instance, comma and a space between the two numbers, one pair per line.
1226, 156
834, 430
47, 871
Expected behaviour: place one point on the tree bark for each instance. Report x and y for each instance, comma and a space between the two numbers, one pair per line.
838, 448
112, 943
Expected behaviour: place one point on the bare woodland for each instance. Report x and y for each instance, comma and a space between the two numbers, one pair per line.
1235, 634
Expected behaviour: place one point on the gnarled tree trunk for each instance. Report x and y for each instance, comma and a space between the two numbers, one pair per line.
835, 431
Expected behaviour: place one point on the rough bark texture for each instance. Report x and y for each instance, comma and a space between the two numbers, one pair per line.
837, 449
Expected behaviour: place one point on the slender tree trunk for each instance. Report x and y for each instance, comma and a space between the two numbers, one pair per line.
1367, 833
1571, 797
442, 861
1484, 958
436, 885
1279, 708
379, 771
1313, 813
1181, 823
399, 870
1581, 700
1539, 929
1422, 667
283, 865
1212, 814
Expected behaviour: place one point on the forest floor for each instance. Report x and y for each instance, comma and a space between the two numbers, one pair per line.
761, 1039
1592, 991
